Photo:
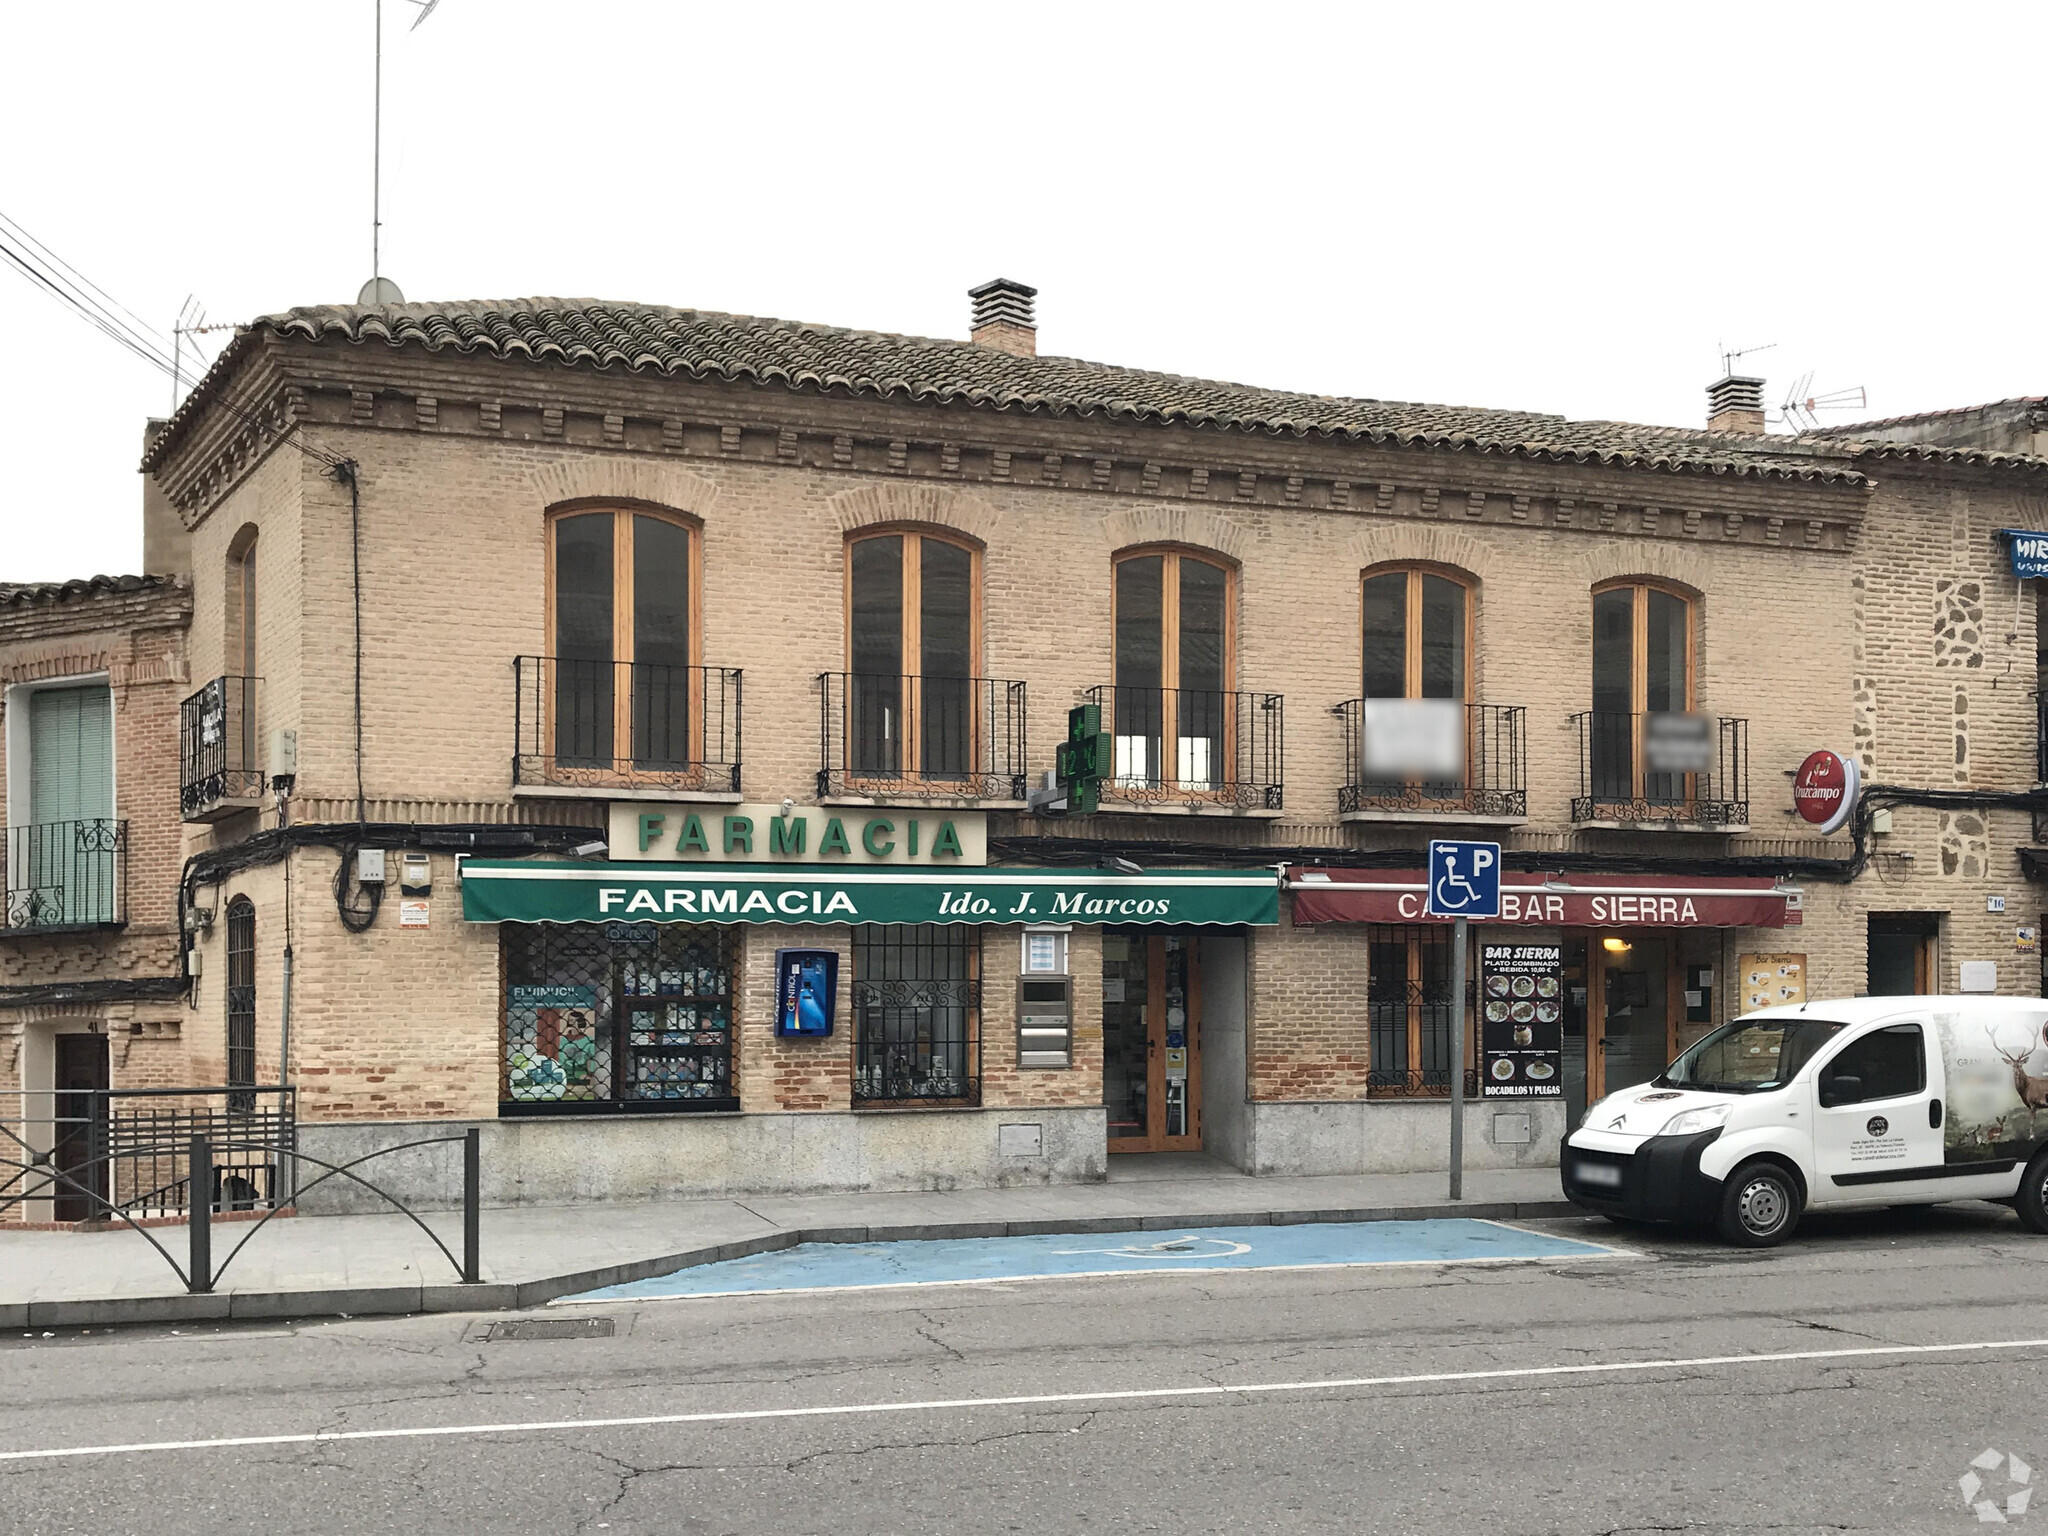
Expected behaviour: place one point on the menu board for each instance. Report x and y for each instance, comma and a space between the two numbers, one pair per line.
1521, 1029
1769, 981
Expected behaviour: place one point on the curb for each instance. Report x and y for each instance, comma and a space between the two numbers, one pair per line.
503, 1296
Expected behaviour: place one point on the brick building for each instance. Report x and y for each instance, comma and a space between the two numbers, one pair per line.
570, 664
91, 675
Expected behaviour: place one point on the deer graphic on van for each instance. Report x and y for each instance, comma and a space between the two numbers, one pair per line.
2033, 1091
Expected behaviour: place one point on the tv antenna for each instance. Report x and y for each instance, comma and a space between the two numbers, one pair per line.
1730, 356
380, 289
1802, 408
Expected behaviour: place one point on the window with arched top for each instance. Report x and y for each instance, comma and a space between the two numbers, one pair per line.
913, 652
1417, 638
624, 692
241, 1001
1175, 669
1643, 666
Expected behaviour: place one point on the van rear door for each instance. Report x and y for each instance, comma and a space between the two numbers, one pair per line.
1877, 1118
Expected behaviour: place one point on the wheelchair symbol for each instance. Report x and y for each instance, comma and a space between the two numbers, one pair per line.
1189, 1247
1464, 878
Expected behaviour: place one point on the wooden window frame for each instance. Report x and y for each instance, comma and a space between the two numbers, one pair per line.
622, 514
914, 535
1170, 557
1640, 589
1415, 570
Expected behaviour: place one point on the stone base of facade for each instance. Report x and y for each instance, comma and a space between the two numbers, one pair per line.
572, 1159
1397, 1136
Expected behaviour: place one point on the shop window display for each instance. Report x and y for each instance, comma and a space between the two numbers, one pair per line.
617, 1017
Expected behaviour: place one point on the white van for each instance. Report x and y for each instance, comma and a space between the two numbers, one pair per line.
1864, 1101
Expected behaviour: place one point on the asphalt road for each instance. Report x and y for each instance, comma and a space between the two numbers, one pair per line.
1571, 1395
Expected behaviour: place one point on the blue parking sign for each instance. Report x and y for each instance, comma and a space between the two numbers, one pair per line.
1464, 879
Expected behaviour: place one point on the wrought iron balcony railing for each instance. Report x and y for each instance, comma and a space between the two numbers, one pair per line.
1662, 769
1195, 747
220, 763
922, 737
626, 724
64, 877
1487, 744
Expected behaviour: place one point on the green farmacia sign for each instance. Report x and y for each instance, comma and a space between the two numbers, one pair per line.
521, 891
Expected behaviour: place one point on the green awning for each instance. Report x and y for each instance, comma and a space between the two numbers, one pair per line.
536, 891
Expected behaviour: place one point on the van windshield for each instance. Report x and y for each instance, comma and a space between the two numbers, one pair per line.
1749, 1056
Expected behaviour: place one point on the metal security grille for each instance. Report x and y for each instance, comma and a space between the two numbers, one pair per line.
616, 1017
1408, 1007
917, 1013
241, 1001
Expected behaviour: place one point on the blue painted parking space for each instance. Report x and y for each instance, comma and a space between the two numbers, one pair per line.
987, 1260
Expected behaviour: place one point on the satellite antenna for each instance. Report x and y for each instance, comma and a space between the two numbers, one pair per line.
380, 289
1802, 407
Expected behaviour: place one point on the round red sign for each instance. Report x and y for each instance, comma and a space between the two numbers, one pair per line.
1824, 789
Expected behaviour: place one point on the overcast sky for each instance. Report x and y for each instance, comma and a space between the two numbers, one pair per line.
1560, 207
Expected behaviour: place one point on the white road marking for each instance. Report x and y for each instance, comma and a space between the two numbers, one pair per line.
1097, 1274
1034, 1400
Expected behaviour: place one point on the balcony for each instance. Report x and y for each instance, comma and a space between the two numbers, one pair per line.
626, 727
958, 740
64, 877
1444, 762
1662, 772
220, 766
1194, 750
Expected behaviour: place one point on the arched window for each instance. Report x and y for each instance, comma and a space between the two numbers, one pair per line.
239, 649
241, 1001
1175, 669
1418, 634
623, 619
913, 646
1643, 649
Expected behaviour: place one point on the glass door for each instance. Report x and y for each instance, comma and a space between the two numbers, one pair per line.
1151, 1057
1635, 1018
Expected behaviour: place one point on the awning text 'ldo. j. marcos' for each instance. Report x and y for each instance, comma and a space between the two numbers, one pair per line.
541, 891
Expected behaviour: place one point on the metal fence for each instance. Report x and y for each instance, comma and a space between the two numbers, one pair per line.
64, 876
220, 761
621, 724
1193, 746
941, 737
1494, 780
1662, 768
96, 1154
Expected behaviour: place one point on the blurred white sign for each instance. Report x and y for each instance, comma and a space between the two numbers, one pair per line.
1675, 743
1414, 739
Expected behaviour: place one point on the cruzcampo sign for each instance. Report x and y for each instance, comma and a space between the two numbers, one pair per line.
808, 834
539, 891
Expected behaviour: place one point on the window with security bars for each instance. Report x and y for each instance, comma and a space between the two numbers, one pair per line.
241, 1002
1408, 1008
917, 1013
616, 1017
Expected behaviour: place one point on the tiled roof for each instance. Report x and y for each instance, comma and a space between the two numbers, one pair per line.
1878, 426
26, 592
828, 359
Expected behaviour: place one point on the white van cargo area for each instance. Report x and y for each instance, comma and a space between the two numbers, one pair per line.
1828, 1105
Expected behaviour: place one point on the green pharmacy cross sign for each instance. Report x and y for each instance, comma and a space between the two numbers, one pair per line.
1082, 759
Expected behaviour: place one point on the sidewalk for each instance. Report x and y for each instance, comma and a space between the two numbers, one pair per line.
311, 1266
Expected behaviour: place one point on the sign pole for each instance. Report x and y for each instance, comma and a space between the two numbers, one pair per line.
1458, 1058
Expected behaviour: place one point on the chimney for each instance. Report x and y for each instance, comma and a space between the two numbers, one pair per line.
1735, 404
1003, 317
166, 543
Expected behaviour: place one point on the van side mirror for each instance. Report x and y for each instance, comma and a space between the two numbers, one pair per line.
1841, 1090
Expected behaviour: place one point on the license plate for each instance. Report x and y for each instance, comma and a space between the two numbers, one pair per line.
1600, 1173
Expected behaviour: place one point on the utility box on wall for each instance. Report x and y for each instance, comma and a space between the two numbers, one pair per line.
1045, 1022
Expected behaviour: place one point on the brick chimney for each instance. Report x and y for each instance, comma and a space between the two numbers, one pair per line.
1003, 317
1735, 404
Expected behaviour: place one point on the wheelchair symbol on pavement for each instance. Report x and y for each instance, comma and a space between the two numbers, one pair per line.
1464, 879
1189, 1247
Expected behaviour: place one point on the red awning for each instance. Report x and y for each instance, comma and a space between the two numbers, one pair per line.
1551, 901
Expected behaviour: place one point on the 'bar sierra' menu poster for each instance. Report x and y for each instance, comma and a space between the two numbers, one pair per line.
1521, 1030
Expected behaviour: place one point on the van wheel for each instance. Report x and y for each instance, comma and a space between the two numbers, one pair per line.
2032, 1200
1759, 1206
